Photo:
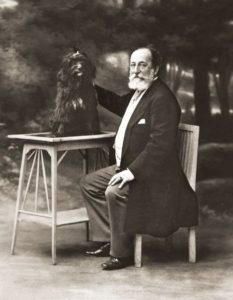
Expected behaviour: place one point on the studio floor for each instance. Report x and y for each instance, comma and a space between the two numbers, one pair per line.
29, 273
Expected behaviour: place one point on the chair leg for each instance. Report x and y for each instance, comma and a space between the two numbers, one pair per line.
192, 244
87, 232
138, 251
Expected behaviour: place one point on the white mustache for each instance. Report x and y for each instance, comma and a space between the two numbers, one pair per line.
131, 77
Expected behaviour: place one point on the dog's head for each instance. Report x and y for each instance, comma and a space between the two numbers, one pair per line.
76, 70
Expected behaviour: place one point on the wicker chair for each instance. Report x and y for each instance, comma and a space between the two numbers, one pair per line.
188, 149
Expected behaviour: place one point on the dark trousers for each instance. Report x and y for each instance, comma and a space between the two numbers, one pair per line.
106, 207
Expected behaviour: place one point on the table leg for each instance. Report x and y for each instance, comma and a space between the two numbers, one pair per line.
37, 180
53, 154
19, 196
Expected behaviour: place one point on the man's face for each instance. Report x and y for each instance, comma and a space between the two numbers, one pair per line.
141, 72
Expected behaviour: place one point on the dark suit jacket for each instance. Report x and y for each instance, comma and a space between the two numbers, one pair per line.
160, 197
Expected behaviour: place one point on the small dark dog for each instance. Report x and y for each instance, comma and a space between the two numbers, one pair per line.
76, 101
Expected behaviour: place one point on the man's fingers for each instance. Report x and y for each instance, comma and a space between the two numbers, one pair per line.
114, 180
124, 176
122, 184
124, 181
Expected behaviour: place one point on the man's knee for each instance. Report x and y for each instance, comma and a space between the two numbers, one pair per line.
85, 182
110, 192
113, 192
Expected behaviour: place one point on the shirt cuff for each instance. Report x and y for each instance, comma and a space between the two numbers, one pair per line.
130, 174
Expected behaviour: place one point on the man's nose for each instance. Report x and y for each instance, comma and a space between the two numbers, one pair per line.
136, 72
136, 69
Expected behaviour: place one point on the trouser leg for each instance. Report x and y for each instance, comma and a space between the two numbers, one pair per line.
93, 188
122, 243
106, 207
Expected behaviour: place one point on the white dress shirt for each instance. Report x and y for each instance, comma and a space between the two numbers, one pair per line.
125, 120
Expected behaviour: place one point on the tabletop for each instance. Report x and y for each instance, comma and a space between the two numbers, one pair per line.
49, 138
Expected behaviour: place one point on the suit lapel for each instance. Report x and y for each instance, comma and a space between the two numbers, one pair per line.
144, 102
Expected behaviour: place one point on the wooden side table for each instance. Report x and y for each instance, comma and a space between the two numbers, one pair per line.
34, 148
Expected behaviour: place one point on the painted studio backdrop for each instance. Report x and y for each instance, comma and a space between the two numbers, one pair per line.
195, 38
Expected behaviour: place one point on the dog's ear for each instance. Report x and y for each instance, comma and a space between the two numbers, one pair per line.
62, 77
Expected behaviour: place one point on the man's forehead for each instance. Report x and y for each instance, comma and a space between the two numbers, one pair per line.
141, 55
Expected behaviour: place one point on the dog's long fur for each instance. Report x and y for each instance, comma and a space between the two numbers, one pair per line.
76, 100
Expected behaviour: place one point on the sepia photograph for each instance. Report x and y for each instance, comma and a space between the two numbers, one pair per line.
116, 149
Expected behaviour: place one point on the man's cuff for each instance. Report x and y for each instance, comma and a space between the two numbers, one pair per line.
131, 176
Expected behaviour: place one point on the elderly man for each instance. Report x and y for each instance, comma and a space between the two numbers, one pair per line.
146, 191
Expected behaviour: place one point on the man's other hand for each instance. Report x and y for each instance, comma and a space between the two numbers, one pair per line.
123, 177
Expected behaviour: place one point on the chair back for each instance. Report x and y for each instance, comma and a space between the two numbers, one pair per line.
188, 137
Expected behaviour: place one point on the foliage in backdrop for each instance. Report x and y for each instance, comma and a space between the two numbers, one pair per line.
192, 34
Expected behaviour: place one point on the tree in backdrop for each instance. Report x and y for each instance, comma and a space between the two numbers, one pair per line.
196, 34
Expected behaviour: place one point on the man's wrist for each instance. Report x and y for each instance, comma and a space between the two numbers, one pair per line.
130, 174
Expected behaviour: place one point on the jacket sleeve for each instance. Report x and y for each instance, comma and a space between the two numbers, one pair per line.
113, 102
164, 120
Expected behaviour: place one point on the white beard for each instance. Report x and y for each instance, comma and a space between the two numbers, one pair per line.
140, 83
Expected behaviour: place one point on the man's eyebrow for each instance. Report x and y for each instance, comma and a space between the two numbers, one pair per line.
140, 62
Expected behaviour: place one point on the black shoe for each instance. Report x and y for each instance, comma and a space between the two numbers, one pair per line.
100, 252
115, 263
